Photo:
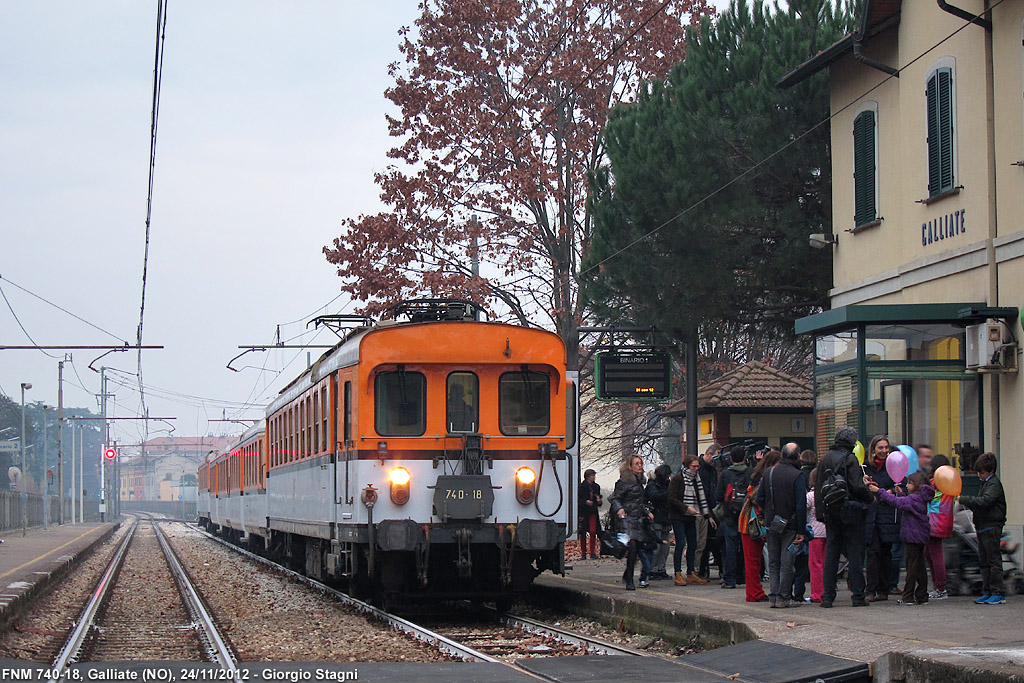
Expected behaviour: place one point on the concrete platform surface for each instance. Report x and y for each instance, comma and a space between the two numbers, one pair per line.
30, 564
954, 630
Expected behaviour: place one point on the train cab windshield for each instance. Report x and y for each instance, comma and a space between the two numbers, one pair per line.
401, 399
463, 407
524, 402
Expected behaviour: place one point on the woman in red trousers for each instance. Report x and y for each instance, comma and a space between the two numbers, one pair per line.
753, 548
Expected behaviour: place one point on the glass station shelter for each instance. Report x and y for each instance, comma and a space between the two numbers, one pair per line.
899, 369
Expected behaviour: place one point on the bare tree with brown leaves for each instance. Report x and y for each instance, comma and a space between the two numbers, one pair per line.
501, 108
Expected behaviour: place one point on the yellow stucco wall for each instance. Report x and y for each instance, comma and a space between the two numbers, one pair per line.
890, 263
1008, 57
902, 145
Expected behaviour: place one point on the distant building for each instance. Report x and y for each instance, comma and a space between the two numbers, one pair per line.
155, 470
754, 402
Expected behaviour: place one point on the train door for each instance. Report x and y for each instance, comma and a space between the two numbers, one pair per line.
572, 446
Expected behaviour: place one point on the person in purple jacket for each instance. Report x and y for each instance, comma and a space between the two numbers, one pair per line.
914, 532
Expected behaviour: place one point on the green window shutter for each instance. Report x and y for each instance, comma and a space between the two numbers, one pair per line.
864, 171
940, 131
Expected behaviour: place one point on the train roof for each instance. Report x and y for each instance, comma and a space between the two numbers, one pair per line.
346, 353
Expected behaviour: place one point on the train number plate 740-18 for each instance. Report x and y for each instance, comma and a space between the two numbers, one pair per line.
463, 497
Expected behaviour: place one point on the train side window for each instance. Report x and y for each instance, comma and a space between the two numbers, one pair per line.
323, 419
348, 413
463, 414
524, 403
316, 422
400, 403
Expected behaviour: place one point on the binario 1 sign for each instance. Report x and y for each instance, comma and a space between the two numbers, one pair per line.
633, 375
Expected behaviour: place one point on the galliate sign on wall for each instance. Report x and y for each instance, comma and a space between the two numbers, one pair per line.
943, 227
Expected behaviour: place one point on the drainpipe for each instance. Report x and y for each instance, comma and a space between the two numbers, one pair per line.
861, 36
867, 61
965, 15
995, 385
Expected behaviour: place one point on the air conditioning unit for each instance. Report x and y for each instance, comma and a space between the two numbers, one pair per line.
984, 344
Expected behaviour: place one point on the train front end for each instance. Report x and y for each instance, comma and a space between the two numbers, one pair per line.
465, 460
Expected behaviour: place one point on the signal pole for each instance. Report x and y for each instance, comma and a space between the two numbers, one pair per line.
60, 443
106, 444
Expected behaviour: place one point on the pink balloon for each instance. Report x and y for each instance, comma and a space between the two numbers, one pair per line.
896, 465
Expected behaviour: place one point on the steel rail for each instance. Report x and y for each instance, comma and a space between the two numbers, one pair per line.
592, 643
72, 648
216, 648
419, 632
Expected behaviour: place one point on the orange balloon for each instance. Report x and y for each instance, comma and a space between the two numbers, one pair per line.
947, 479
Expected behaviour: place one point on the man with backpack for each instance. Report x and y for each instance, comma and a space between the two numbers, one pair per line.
841, 499
731, 491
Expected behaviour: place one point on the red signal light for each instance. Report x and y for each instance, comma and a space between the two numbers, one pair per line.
110, 453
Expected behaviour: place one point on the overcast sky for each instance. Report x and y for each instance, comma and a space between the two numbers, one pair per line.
271, 128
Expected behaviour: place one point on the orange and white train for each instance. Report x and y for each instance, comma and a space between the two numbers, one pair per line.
429, 458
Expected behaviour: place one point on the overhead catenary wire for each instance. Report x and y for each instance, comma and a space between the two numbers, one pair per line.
18, 320
62, 309
158, 66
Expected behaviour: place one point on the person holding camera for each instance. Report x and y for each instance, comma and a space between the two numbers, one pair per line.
784, 500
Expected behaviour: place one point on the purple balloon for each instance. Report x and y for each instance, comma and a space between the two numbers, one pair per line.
912, 463
896, 465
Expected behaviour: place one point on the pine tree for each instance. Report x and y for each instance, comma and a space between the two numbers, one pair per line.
716, 179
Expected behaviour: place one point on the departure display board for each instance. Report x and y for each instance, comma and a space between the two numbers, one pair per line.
633, 375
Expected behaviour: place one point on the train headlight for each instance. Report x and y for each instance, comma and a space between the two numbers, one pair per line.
400, 485
526, 484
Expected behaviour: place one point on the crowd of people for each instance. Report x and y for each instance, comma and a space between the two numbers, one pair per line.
726, 508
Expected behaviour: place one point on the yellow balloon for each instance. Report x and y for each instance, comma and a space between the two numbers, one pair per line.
858, 450
947, 479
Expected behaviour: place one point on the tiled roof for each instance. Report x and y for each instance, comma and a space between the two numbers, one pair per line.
752, 386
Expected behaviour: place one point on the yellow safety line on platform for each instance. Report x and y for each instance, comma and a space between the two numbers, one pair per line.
789, 614
22, 566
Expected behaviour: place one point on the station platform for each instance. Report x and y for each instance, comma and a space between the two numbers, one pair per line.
952, 639
935, 640
30, 564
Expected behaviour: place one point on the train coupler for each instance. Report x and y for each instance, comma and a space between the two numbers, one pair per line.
506, 551
464, 561
423, 556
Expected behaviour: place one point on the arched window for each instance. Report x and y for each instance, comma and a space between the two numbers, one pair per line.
941, 112
865, 166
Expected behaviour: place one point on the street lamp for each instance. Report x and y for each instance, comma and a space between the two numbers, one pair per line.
24, 484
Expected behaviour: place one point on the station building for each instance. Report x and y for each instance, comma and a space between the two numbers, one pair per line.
922, 339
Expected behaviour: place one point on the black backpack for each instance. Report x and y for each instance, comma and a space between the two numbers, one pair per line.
834, 491
736, 493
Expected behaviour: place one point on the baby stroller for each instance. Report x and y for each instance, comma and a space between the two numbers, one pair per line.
963, 576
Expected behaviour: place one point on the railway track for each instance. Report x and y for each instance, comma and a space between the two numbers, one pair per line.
473, 634
144, 607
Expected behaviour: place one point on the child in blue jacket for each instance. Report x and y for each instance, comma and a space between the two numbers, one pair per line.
914, 532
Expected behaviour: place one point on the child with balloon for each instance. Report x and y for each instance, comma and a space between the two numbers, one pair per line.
940, 521
914, 532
